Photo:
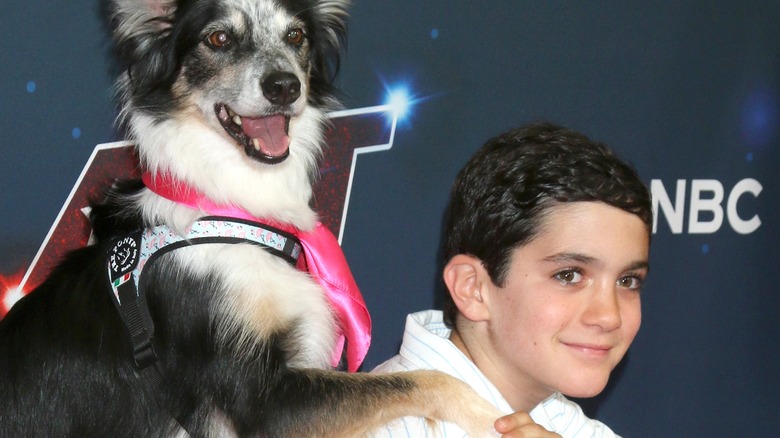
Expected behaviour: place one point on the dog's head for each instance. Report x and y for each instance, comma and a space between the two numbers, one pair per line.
254, 76
247, 65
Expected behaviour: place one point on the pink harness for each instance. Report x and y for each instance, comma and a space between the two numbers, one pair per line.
323, 260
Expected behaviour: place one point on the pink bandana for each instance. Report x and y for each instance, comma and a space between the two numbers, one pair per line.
323, 259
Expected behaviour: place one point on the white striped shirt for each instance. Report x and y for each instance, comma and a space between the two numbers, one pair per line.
426, 345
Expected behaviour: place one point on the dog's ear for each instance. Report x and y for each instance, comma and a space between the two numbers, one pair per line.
332, 14
141, 30
329, 18
136, 24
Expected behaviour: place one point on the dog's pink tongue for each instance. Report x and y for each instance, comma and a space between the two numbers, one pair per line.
270, 132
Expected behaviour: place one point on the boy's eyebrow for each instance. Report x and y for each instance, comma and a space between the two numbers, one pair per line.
566, 257
569, 257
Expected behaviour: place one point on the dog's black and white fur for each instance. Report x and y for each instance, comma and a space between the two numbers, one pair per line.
228, 96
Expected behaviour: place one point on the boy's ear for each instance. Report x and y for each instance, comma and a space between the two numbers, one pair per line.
468, 283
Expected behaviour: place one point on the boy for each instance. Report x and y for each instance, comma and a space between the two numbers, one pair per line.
546, 247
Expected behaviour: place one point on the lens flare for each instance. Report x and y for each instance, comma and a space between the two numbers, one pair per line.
401, 101
10, 292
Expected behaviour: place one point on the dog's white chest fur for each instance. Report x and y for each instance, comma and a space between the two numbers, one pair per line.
261, 296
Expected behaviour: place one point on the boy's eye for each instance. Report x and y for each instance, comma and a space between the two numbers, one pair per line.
569, 276
630, 282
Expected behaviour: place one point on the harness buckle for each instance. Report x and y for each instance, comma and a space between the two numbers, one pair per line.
144, 355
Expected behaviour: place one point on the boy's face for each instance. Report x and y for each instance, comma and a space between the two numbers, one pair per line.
570, 306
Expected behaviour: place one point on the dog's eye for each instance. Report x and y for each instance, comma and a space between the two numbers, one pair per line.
218, 39
295, 36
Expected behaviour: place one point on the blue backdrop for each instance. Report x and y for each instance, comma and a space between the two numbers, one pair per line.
687, 91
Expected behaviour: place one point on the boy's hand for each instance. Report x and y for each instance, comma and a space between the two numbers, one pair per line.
520, 425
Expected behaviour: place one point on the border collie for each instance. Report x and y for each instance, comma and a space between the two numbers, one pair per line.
191, 314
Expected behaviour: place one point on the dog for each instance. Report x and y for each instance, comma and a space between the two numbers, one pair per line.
212, 336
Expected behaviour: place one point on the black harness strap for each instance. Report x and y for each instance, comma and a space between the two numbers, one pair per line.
130, 254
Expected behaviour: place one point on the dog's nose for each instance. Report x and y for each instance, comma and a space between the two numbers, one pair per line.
281, 87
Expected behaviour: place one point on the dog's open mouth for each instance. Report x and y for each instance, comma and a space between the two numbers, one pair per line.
264, 138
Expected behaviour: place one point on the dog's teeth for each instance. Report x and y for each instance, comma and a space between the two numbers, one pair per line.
237, 120
256, 144
231, 112
223, 115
